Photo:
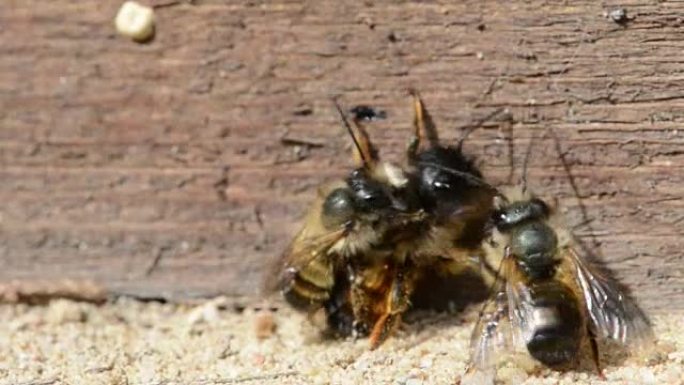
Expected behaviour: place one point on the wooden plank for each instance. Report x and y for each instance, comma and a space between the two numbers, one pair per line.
114, 155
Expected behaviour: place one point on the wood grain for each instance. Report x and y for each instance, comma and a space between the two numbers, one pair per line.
158, 170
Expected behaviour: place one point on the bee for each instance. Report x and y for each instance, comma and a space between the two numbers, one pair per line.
456, 200
449, 204
550, 301
341, 260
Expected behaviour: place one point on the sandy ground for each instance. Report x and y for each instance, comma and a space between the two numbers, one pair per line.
128, 342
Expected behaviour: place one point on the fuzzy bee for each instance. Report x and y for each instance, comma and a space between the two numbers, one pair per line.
456, 200
550, 302
342, 261
449, 205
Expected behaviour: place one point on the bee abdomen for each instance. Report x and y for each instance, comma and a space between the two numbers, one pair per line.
309, 287
554, 346
556, 324
303, 295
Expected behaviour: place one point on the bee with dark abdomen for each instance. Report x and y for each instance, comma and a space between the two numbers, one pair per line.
456, 200
550, 302
449, 205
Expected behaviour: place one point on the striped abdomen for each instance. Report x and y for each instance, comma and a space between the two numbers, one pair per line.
556, 323
310, 286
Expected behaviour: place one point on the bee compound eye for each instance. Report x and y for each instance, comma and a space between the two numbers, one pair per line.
338, 208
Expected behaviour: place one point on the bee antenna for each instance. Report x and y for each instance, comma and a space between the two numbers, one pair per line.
468, 129
511, 155
351, 133
575, 189
526, 162
423, 124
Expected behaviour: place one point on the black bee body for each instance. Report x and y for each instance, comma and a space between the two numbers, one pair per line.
451, 190
555, 326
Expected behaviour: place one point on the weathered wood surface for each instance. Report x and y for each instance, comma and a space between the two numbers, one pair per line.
114, 155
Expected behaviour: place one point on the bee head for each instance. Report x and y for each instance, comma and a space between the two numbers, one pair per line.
372, 195
374, 188
447, 181
362, 195
510, 215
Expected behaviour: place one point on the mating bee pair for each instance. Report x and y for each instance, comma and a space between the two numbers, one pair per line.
369, 238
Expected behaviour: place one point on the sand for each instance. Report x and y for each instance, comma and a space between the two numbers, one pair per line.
129, 342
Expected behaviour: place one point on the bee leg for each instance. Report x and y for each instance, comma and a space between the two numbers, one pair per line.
359, 329
396, 303
361, 301
339, 315
595, 353
383, 328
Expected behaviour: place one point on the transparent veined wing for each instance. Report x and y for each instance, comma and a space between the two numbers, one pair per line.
614, 314
493, 334
311, 243
305, 249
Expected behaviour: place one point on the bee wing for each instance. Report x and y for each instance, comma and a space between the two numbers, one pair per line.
521, 312
492, 334
310, 243
503, 326
613, 313
490, 338
305, 249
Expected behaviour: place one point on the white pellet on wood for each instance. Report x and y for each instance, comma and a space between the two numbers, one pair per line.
135, 21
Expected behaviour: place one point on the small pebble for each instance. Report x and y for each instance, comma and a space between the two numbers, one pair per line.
63, 311
361, 365
618, 15
415, 373
647, 376
426, 363
207, 313
135, 21
264, 324
258, 359
677, 357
